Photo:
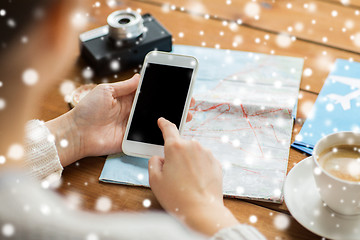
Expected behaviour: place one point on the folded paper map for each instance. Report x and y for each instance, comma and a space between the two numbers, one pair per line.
243, 113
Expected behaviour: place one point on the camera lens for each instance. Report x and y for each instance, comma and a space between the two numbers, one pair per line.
125, 24
124, 21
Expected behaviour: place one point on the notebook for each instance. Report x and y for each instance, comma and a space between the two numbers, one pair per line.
337, 108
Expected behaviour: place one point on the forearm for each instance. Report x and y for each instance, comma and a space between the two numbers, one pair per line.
67, 138
209, 218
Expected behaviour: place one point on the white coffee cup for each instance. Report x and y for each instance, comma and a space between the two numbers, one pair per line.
340, 195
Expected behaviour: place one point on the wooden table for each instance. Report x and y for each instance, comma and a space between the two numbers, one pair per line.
323, 31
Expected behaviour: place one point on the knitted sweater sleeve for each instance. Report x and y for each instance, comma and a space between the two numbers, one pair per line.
41, 156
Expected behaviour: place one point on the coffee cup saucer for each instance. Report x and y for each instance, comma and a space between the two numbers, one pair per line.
305, 205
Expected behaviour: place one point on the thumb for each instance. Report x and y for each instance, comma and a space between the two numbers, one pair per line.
155, 169
125, 87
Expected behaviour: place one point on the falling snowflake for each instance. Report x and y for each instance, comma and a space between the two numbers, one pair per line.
146, 203
66, 89
312, 7
237, 101
307, 72
224, 138
51, 138
233, 26
283, 40
73, 200
329, 107
16, 151
195, 7
30, 76
92, 236
236, 143
11, 23
349, 24
240, 190
45, 184
2, 12
253, 219
317, 171
79, 20
2, 104
103, 204
24, 39
299, 26
64, 143
140, 176
354, 168
355, 128
8, 230
52, 181
356, 39
2, 160
277, 84
111, 3
45, 209
87, 73
226, 165
281, 222
115, 65
277, 193
299, 137
238, 39
252, 9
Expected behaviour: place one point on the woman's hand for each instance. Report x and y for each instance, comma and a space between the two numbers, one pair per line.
188, 182
96, 126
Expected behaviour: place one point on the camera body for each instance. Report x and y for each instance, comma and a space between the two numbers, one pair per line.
124, 42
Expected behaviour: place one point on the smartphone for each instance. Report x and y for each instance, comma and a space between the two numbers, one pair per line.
164, 90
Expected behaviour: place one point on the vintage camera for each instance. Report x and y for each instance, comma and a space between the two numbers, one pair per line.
124, 42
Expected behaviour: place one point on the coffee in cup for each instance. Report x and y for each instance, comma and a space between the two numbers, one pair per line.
342, 161
336, 168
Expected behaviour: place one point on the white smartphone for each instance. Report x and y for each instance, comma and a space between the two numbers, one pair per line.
164, 90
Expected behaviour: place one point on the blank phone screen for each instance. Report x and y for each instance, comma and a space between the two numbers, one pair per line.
162, 94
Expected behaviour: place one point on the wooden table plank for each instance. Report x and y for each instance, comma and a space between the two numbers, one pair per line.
336, 22
355, 4
317, 58
80, 180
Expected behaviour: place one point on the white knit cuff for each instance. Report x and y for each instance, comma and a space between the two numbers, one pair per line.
41, 156
238, 232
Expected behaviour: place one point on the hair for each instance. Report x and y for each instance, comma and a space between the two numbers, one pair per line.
16, 17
